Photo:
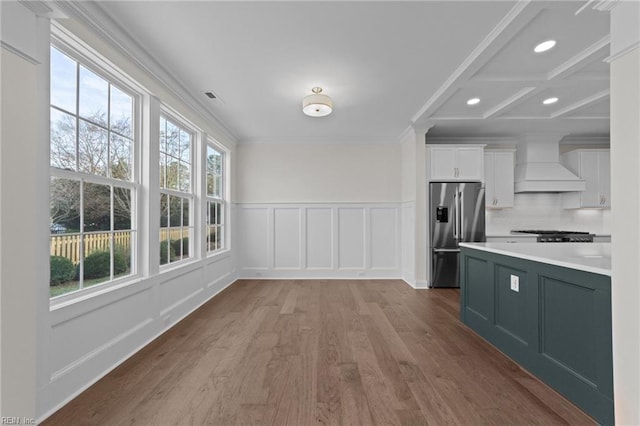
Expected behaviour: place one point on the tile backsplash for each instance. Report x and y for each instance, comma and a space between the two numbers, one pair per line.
544, 211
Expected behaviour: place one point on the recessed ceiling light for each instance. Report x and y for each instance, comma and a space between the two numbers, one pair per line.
473, 101
544, 46
550, 101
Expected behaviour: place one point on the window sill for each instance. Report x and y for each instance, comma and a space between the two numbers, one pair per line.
83, 295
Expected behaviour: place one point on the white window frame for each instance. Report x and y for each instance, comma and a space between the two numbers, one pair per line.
169, 115
80, 52
223, 200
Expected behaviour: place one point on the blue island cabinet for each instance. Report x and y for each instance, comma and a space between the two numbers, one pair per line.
553, 321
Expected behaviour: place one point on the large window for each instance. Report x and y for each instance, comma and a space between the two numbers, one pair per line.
215, 215
176, 191
93, 188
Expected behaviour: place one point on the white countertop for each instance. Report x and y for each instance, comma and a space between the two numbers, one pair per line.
589, 257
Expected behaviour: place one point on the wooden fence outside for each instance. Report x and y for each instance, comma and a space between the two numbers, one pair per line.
69, 245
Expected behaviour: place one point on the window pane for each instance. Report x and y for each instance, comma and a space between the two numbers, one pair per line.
64, 206
94, 97
172, 173
97, 207
63, 81
97, 259
185, 212
93, 149
164, 211
121, 113
185, 146
210, 181
211, 238
167, 253
63, 140
120, 157
173, 140
181, 246
121, 208
65, 255
122, 243
175, 211
217, 186
185, 177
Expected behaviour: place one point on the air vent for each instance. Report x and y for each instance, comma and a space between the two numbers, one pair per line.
210, 94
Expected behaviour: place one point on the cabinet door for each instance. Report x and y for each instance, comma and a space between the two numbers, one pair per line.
604, 178
503, 179
489, 180
442, 163
590, 197
470, 163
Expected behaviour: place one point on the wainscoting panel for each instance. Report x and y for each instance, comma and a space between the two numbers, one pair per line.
319, 232
383, 227
253, 226
319, 240
351, 237
286, 238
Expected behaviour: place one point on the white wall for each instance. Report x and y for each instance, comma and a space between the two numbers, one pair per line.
289, 173
625, 209
545, 211
329, 211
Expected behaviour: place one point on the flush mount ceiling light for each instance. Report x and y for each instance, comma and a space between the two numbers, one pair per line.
544, 46
550, 101
473, 101
317, 105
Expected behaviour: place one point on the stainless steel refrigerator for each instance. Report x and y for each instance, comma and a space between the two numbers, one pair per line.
456, 210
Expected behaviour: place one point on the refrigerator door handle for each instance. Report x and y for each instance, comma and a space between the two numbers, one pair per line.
455, 216
461, 217
446, 250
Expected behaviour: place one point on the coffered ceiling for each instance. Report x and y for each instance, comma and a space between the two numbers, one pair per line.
387, 65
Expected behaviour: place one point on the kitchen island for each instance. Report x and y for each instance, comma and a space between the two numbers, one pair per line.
548, 307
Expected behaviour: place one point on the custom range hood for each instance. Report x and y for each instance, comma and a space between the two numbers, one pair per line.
538, 167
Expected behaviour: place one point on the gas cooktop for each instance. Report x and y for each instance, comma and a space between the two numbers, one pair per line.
552, 236
545, 232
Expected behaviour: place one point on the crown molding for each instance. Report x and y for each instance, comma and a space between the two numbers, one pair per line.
99, 21
19, 52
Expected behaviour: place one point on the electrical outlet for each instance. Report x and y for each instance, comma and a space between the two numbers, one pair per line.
515, 283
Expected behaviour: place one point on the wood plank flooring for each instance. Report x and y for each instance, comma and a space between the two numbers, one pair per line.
303, 352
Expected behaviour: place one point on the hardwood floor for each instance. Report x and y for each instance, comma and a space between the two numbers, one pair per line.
301, 352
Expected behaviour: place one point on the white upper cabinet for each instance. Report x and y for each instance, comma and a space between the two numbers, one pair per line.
593, 166
455, 162
498, 175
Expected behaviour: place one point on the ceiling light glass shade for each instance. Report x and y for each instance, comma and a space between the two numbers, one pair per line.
550, 101
544, 46
317, 105
473, 101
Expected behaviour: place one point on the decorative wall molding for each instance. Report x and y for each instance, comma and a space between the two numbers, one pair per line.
91, 338
319, 240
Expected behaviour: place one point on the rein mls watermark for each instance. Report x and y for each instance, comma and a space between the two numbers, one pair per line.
17, 421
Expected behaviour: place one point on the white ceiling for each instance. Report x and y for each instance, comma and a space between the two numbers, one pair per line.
387, 65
